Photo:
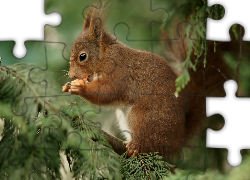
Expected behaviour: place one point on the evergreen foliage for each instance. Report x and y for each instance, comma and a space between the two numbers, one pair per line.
35, 134
197, 33
144, 166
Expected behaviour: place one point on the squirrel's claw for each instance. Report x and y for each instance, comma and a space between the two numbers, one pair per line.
132, 149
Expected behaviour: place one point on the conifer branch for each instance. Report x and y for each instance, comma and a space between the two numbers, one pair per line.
39, 137
16, 75
145, 168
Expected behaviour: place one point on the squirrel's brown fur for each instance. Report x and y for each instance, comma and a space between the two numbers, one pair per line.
124, 78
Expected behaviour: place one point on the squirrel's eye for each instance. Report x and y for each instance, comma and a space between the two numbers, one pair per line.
83, 56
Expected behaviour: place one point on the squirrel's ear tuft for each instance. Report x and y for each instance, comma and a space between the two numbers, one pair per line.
95, 20
87, 19
95, 27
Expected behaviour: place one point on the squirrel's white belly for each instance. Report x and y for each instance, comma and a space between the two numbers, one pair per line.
122, 114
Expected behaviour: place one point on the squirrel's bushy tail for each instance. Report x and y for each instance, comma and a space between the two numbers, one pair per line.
203, 82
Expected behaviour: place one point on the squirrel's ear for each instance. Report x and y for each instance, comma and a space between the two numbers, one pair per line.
87, 19
95, 20
95, 26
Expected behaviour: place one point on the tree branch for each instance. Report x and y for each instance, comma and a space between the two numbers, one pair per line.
119, 147
117, 144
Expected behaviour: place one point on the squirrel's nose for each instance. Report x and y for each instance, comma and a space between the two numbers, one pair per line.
71, 76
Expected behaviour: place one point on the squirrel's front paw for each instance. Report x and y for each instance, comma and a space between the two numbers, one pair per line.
132, 149
77, 86
66, 87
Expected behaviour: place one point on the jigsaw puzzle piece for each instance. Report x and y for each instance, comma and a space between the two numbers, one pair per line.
193, 161
24, 76
147, 78
156, 14
80, 147
158, 139
41, 82
158, 72
219, 29
20, 152
55, 61
197, 68
30, 76
225, 138
68, 30
202, 163
29, 23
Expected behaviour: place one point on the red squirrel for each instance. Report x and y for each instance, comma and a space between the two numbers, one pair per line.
157, 120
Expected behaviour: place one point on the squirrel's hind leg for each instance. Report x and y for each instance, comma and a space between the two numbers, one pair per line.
156, 127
